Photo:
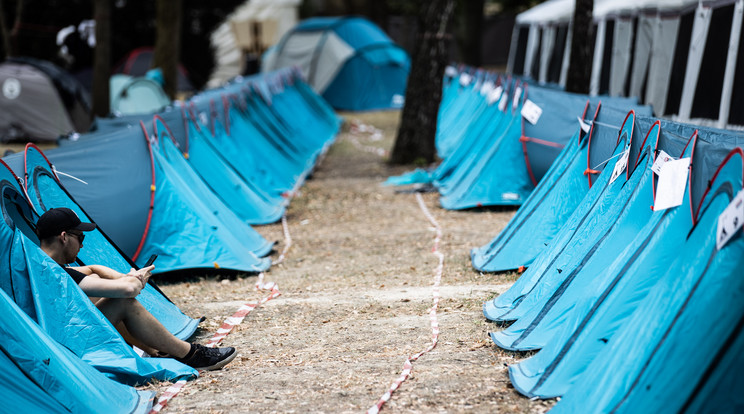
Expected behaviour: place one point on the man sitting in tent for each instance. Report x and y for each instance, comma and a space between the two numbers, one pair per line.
61, 234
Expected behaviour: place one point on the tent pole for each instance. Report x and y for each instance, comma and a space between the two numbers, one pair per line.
599, 43
728, 77
566, 55
532, 40
548, 44
513, 49
694, 59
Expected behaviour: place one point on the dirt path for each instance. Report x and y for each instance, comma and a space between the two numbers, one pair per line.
356, 287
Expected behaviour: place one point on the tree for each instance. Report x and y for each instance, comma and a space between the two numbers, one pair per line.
418, 127
469, 30
580, 61
10, 37
168, 43
102, 58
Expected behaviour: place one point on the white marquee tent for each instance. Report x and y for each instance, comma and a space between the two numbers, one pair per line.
235, 34
680, 56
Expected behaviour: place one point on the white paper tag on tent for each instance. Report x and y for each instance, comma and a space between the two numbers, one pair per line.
450, 71
620, 165
486, 88
730, 220
495, 95
503, 102
672, 183
660, 160
517, 95
584, 126
531, 112
465, 79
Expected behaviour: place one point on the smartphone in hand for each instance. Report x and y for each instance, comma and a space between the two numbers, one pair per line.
151, 260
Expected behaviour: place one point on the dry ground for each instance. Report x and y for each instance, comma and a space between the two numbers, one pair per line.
356, 286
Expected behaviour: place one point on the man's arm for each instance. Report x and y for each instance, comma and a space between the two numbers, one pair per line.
124, 287
119, 286
102, 271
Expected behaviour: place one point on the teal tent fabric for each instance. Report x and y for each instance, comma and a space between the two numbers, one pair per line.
671, 354
556, 196
47, 293
186, 243
224, 197
639, 248
462, 103
40, 375
136, 95
46, 192
577, 229
492, 155
350, 61
590, 253
189, 237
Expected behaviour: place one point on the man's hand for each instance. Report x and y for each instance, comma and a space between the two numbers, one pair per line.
142, 274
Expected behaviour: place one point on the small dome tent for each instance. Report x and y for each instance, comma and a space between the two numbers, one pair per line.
348, 60
40, 101
139, 61
136, 95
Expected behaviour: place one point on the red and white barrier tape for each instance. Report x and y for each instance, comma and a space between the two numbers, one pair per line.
236, 319
358, 128
167, 395
408, 364
287, 242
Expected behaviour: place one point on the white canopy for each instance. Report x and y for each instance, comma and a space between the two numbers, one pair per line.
276, 17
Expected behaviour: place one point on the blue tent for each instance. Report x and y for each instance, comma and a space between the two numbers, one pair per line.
45, 192
348, 60
617, 217
575, 230
494, 156
674, 347
136, 95
603, 308
496, 176
180, 227
459, 108
217, 148
40, 375
643, 243
46, 293
556, 196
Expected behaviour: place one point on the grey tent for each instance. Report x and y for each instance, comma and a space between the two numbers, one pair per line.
39, 101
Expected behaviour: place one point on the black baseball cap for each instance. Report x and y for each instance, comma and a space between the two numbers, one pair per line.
57, 220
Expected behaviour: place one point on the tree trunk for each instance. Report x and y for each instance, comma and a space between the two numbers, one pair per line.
11, 42
469, 30
378, 11
102, 58
4, 32
418, 127
168, 43
580, 63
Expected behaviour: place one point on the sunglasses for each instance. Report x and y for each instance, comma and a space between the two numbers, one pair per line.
79, 236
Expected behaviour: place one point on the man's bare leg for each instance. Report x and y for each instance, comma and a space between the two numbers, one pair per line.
142, 326
131, 340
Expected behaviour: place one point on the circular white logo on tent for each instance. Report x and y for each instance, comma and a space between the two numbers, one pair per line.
11, 88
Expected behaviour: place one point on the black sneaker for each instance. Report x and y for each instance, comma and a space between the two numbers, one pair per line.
207, 359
